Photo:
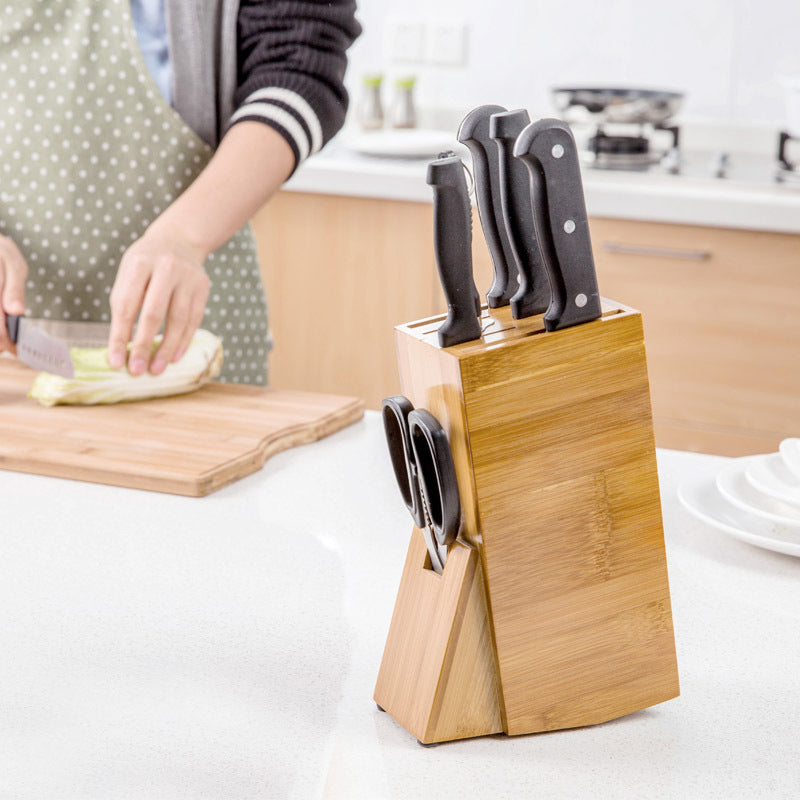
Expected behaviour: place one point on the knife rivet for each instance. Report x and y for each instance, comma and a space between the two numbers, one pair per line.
569, 226
581, 300
557, 151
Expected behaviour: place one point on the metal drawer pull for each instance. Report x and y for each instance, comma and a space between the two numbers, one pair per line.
660, 252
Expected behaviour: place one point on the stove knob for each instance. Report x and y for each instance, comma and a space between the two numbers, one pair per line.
719, 165
671, 161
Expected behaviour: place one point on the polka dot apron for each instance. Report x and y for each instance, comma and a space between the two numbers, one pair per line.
90, 155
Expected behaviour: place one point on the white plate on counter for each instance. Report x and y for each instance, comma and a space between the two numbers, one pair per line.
770, 476
413, 143
703, 500
790, 453
737, 490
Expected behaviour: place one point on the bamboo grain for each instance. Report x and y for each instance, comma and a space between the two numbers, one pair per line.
190, 444
553, 444
437, 675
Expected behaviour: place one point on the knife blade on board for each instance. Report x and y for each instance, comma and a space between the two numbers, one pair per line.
474, 133
547, 148
533, 295
452, 232
38, 349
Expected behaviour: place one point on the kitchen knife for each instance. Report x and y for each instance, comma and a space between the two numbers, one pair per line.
533, 295
38, 349
548, 150
474, 133
452, 230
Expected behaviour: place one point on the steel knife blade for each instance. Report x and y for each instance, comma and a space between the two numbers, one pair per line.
533, 295
547, 148
39, 349
474, 133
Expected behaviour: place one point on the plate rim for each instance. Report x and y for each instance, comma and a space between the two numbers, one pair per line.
762, 542
740, 464
763, 487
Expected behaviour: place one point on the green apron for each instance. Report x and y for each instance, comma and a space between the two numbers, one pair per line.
90, 155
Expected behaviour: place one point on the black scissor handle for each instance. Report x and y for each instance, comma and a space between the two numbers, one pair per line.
395, 411
436, 473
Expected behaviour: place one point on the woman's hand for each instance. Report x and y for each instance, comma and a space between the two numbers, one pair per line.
160, 278
13, 272
161, 275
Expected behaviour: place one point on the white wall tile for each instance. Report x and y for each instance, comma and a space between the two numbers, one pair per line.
725, 54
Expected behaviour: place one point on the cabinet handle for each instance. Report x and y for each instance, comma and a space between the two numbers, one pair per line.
659, 252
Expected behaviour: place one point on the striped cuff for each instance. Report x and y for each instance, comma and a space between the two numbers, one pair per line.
287, 111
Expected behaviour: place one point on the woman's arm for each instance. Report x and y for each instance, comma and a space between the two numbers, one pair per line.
291, 100
161, 276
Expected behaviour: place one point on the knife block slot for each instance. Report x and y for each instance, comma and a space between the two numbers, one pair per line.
438, 677
552, 441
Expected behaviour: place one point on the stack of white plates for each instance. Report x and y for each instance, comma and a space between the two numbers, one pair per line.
756, 499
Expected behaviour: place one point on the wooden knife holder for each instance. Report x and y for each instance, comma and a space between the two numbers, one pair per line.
553, 610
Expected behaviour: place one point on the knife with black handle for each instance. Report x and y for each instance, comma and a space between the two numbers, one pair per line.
533, 295
474, 133
548, 150
452, 230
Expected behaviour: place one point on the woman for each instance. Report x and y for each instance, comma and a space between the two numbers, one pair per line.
137, 138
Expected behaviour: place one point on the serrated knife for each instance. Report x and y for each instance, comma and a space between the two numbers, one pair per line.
39, 349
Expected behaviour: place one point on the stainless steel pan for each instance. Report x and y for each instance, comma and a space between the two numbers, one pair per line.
617, 105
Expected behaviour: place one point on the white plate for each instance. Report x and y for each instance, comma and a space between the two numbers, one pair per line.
735, 488
702, 499
413, 143
790, 453
770, 476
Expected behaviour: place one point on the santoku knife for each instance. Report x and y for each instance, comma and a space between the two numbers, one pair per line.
548, 149
38, 349
533, 295
452, 228
474, 133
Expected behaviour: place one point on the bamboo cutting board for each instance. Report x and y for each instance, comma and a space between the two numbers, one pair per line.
189, 444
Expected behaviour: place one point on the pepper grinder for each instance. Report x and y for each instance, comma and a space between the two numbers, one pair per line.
370, 108
404, 114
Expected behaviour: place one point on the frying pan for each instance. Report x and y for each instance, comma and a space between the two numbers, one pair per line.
618, 105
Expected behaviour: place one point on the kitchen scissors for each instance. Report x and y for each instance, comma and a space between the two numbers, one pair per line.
423, 467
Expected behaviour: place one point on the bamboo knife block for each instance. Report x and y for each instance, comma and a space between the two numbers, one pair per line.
553, 610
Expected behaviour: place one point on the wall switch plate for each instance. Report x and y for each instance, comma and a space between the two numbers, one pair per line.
405, 41
447, 43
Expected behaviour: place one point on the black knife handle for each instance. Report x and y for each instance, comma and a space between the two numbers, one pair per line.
452, 231
12, 323
548, 149
474, 133
533, 295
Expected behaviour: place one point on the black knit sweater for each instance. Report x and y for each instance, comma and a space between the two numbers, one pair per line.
291, 67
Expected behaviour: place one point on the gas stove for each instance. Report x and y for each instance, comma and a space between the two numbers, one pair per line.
786, 170
633, 147
659, 149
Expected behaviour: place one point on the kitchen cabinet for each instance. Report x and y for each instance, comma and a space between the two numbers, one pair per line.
721, 309
340, 273
721, 314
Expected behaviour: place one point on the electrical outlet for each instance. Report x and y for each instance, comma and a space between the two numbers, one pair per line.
447, 43
405, 41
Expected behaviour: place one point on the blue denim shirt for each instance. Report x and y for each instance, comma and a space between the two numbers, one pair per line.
150, 20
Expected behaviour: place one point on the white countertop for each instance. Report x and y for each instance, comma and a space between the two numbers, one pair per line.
227, 647
736, 202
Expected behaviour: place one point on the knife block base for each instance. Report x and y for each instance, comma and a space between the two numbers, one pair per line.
552, 440
438, 676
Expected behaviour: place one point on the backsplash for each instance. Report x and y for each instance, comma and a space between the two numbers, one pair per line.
727, 55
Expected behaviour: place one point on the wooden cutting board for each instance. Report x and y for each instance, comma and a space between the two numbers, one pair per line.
189, 444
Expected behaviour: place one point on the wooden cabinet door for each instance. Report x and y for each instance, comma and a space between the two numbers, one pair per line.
721, 311
340, 274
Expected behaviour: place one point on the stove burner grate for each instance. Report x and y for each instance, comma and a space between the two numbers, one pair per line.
605, 144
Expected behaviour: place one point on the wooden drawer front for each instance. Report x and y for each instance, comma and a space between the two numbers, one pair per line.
721, 312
